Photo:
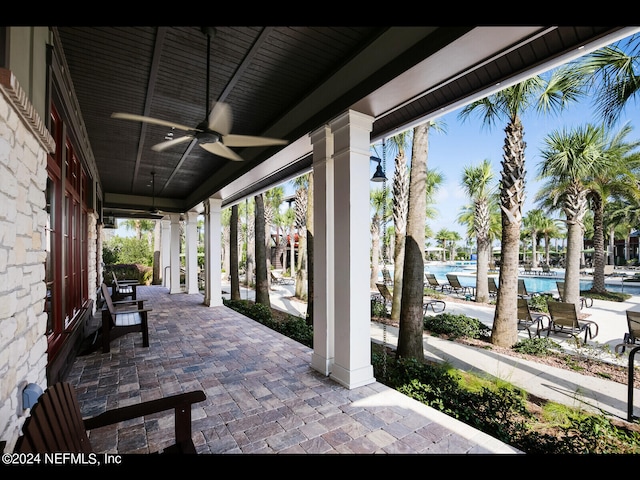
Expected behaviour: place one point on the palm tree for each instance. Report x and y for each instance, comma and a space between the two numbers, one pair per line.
262, 279
612, 73
569, 159
225, 221
477, 182
410, 335
301, 196
549, 229
533, 222
509, 104
602, 185
234, 260
400, 202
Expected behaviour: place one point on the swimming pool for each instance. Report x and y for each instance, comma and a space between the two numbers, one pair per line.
533, 283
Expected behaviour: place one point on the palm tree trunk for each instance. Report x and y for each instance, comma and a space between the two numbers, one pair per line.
410, 336
598, 245
234, 261
262, 282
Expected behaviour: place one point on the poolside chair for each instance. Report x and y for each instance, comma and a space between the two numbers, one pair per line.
278, 279
493, 287
632, 338
385, 294
386, 277
546, 269
527, 318
457, 287
584, 301
435, 284
523, 292
564, 319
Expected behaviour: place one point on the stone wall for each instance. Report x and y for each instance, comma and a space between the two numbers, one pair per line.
23, 177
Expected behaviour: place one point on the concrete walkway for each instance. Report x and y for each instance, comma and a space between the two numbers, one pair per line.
555, 384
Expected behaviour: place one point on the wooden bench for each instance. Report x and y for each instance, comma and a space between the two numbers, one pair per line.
56, 424
122, 317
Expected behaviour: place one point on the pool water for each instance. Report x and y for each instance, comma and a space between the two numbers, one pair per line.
533, 283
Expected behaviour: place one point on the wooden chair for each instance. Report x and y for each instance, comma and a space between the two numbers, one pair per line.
457, 287
527, 318
123, 288
564, 319
122, 317
55, 423
435, 284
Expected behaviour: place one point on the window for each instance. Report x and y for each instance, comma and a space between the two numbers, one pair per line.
66, 237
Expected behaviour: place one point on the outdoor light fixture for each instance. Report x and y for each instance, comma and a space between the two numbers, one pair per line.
379, 175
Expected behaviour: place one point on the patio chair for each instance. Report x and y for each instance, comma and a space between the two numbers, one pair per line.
632, 338
493, 287
457, 287
123, 288
55, 423
584, 301
122, 317
527, 318
523, 292
564, 319
435, 284
278, 279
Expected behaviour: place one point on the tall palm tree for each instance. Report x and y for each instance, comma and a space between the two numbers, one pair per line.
410, 335
533, 223
549, 230
477, 182
272, 201
508, 105
262, 278
301, 184
234, 260
400, 203
570, 158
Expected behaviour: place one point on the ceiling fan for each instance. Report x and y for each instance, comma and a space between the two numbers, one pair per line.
214, 132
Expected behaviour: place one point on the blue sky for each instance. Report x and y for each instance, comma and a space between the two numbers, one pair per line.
468, 143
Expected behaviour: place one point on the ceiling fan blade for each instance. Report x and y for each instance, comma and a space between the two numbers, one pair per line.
158, 147
218, 148
155, 121
220, 119
249, 141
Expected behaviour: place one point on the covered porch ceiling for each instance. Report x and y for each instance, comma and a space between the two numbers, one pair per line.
281, 82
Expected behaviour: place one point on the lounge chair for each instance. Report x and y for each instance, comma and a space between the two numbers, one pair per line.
493, 287
457, 287
564, 319
546, 270
386, 277
523, 292
387, 297
435, 284
527, 318
584, 301
608, 270
632, 338
278, 279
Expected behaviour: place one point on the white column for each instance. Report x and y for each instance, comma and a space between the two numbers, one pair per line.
213, 252
351, 136
175, 254
323, 267
165, 252
191, 253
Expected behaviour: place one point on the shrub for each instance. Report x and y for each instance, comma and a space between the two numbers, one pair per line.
536, 346
456, 326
